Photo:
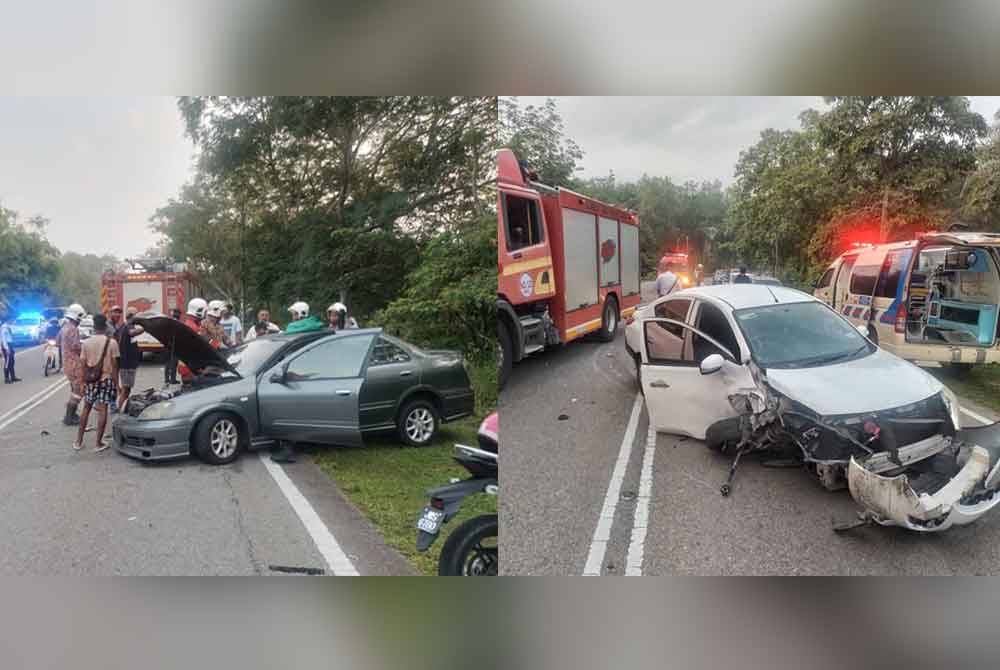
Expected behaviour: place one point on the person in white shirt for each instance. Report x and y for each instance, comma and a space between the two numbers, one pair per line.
232, 325
666, 282
263, 316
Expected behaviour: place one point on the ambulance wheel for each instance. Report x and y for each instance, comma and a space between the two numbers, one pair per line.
609, 320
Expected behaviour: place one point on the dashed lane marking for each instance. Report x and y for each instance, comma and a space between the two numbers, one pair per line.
633, 561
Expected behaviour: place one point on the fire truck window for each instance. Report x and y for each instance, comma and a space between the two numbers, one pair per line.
524, 225
714, 323
863, 279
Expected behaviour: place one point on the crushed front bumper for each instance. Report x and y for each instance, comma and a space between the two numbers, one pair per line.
891, 501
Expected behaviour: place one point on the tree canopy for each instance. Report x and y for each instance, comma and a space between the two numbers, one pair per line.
29, 265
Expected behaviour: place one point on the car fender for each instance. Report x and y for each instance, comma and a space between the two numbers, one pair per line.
229, 407
421, 389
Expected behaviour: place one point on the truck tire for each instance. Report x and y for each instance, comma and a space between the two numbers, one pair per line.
609, 321
505, 354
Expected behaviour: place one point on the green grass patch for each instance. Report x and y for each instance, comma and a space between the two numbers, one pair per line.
483, 375
981, 384
388, 483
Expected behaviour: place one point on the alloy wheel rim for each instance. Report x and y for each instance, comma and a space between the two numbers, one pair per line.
224, 438
420, 425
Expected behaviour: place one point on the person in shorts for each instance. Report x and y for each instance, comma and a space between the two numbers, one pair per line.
101, 393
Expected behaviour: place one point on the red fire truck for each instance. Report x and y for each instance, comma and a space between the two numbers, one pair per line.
152, 286
568, 265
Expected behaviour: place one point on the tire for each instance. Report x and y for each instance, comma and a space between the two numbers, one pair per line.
609, 321
418, 423
505, 354
227, 434
638, 374
459, 555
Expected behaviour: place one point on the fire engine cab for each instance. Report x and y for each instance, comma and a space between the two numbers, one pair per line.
568, 265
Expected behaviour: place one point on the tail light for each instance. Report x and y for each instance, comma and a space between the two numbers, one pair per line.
900, 325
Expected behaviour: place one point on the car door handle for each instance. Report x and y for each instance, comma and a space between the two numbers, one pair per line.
343, 392
658, 384
406, 373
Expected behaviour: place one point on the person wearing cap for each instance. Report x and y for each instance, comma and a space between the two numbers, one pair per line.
130, 355
302, 322
232, 325
213, 329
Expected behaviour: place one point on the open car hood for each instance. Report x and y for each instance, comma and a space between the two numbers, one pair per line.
186, 344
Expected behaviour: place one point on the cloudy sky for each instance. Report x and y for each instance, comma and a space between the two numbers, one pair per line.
683, 138
97, 167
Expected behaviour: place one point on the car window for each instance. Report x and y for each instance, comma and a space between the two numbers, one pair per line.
712, 322
333, 358
800, 335
676, 309
385, 352
892, 269
524, 225
863, 279
665, 343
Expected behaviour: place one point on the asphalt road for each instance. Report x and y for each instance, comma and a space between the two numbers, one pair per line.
776, 521
86, 513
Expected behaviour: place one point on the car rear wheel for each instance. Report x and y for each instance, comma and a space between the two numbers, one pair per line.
418, 423
218, 439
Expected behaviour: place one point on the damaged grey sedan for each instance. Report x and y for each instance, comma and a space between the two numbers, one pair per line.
753, 368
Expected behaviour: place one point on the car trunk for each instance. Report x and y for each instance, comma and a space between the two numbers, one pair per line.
953, 292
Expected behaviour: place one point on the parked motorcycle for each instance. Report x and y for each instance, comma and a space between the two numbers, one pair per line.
51, 357
471, 550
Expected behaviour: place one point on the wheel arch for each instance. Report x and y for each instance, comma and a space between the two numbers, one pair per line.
507, 316
423, 391
218, 409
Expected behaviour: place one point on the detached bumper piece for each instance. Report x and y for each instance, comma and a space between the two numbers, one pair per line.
892, 500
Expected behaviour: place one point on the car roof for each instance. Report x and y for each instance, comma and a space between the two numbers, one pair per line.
739, 296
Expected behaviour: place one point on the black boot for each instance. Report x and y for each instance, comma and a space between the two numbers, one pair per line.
283, 453
71, 419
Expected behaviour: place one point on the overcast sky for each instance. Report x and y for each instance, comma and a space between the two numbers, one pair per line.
697, 138
97, 167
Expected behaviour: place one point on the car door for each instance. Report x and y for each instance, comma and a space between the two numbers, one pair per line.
842, 283
392, 371
679, 398
315, 395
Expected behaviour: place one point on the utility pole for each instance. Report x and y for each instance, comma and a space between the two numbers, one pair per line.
243, 255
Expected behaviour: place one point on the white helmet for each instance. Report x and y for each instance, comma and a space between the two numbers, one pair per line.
215, 308
299, 310
337, 307
197, 307
75, 312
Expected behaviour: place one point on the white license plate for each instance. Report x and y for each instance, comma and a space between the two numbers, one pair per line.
430, 520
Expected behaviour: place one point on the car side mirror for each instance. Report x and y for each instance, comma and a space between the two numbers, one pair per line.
712, 363
280, 377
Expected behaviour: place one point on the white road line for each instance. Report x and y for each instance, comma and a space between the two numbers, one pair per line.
49, 392
602, 534
636, 547
45, 390
327, 544
977, 417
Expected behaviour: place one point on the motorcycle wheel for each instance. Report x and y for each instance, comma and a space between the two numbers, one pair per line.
464, 555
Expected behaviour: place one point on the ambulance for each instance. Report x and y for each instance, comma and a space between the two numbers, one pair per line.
568, 265
935, 298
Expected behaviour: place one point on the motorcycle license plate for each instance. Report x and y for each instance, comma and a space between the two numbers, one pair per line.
430, 520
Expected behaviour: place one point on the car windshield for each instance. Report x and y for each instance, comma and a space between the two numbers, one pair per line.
249, 356
799, 335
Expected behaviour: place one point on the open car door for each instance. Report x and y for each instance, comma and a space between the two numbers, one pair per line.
682, 396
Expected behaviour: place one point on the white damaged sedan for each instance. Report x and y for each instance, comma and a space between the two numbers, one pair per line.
754, 367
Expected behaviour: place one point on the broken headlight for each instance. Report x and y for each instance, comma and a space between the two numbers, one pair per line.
951, 402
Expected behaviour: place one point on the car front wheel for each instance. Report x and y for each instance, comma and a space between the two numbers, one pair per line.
418, 423
218, 440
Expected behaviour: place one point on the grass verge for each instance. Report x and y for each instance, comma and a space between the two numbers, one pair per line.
388, 482
981, 384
